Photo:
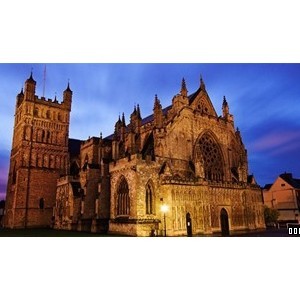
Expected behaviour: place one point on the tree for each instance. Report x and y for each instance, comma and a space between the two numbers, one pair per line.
271, 215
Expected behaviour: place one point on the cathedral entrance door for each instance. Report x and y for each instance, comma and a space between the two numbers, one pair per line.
224, 222
189, 225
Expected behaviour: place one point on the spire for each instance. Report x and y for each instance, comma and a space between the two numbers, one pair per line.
156, 102
225, 109
68, 87
202, 85
123, 120
158, 113
30, 88
183, 91
138, 112
30, 79
225, 103
117, 128
67, 96
20, 96
134, 110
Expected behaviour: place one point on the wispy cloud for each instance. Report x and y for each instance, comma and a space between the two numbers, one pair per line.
275, 140
264, 98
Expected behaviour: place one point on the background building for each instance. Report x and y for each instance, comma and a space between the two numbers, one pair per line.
284, 195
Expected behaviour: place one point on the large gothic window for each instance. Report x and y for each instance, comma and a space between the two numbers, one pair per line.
148, 149
208, 151
123, 198
149, 200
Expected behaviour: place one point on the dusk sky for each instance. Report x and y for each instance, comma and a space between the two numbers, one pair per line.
264, 99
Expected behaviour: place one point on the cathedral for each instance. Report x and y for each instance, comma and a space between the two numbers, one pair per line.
182, 171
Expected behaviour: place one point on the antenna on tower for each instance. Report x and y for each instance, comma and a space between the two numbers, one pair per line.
44, 81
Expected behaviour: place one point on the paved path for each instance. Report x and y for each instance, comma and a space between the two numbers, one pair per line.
272, 232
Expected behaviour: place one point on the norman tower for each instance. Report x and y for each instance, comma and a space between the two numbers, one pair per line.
39, 156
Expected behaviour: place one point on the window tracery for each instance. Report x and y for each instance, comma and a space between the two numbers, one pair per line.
209, 152
123, 198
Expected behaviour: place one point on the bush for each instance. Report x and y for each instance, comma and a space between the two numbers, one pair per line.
271, 215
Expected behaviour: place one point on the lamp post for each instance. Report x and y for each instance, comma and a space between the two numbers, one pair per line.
164, 208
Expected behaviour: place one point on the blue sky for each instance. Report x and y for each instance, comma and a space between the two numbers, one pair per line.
264, 99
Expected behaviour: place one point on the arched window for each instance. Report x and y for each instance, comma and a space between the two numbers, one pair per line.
148, 149
43, 136
208, 151
123, 198
149, 200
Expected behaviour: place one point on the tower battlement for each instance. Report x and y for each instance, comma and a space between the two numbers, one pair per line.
39, 157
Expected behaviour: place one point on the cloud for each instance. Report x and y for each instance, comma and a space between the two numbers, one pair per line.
264, 98
276, 140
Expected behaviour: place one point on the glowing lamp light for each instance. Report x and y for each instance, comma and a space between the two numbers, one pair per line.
165, 208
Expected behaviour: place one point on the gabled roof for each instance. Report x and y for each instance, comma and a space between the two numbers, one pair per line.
150, 118
144, 121
267, 186
165, 110
194, 95
288, 177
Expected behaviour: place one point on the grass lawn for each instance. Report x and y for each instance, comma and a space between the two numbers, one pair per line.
46, 232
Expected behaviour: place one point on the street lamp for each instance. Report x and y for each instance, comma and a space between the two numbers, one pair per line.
165, 208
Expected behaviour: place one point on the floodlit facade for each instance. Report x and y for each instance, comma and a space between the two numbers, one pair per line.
184, 158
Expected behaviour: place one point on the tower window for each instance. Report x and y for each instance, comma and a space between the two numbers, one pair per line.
42, 203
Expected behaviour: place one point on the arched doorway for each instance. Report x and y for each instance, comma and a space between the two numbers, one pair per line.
224, 222
189, 225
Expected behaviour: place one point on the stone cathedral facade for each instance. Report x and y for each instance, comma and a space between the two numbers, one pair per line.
184, 157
